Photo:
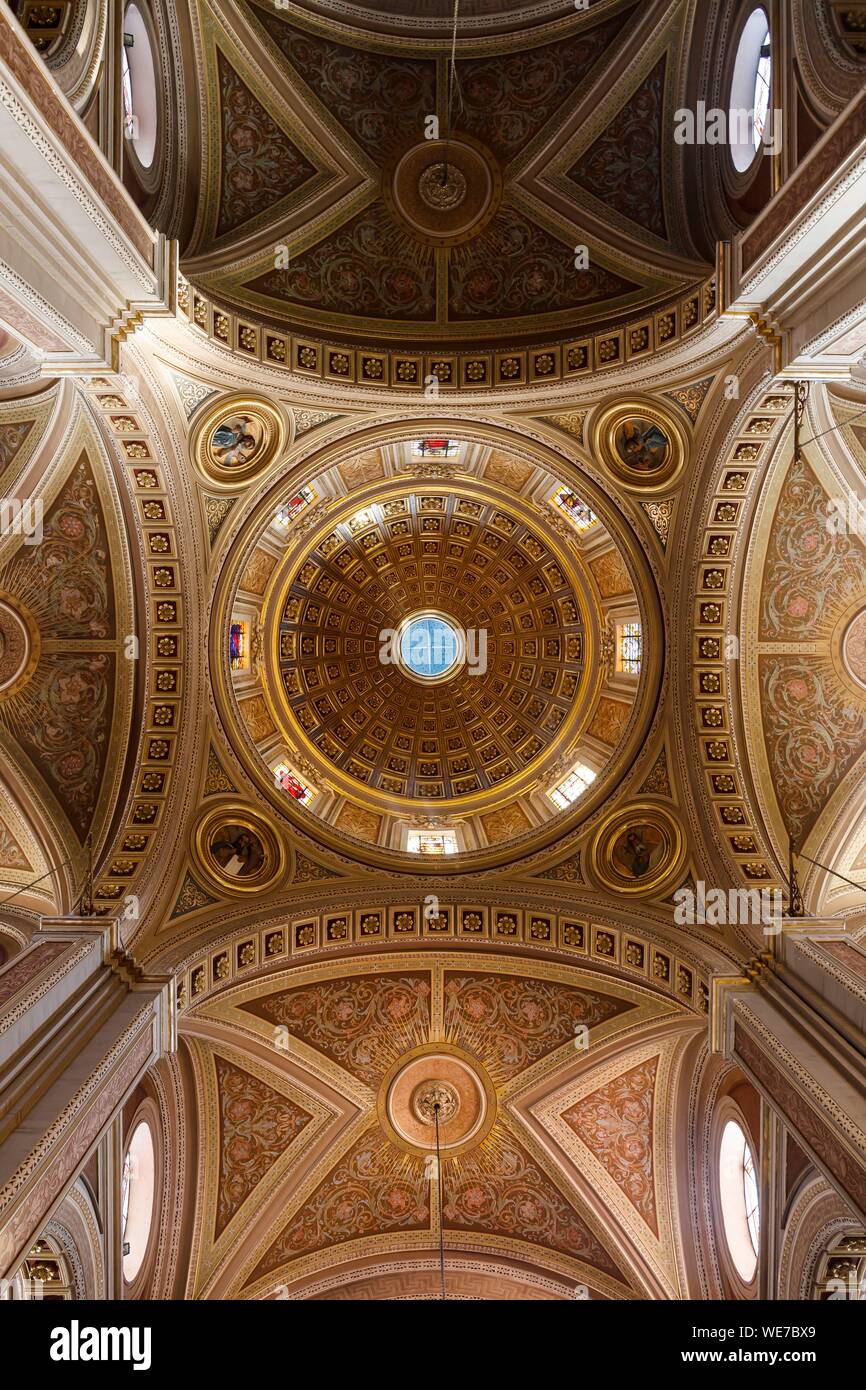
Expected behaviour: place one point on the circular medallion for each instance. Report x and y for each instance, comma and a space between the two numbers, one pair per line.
237, 850
19, 646
444, 191
236, 438
638, 849
854, 648
434, 1099
437, 1075
640, 442
442, 186
430, 647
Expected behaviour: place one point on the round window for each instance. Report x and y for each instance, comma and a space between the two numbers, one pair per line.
136, 1199
138, 84
750, 91
738, 1188
430, 647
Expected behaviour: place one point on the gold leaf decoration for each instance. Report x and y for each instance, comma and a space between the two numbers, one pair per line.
661, 515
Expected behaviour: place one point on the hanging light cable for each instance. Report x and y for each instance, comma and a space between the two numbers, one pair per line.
453, 81
436, 1108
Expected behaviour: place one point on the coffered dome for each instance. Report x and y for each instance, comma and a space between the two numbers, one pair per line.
497, 712
431, 654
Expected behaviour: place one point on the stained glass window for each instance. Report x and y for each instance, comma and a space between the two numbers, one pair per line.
303, 498
287, 782
432, 842
238, 646
630, 648
578, 513
574, 786
435, 448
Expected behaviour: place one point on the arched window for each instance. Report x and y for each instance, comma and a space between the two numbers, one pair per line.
738, 1189
136, 1198
138, 82
750, 91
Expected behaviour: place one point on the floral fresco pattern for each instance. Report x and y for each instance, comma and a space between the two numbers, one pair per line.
68, 727
261, 164
815, 732
516, 268
66, 578
364, 1023
616, 1125
501, 1189
370, 267
814, 723
380, 99
22, 971
811, 571
508, 99
623, 167
62, 717
12, 855
257, 1125
510, 1021
375, 1188
12, 436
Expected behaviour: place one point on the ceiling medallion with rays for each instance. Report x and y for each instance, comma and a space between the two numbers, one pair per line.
461, 187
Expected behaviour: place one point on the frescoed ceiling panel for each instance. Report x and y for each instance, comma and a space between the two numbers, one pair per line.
261, 165
65, 693
22, 425
616, 1125
441, 231
810, 669
359, 1028
257, 1125
515, 268
508, 100
623, 167
613, 1124
376, 97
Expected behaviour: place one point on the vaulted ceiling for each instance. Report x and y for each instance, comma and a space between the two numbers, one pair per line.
550, 198
316, 1170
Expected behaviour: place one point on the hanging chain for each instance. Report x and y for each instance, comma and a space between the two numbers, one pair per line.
436, 1108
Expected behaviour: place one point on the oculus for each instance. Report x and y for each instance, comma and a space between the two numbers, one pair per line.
640, 443
430, 647
738, 1193
139, 89
750, 90
137, 1198
236, 438
638, 849
237, 851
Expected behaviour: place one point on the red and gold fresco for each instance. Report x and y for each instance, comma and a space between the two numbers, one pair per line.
616, 1124
61, 716
354, 1026
814, 720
